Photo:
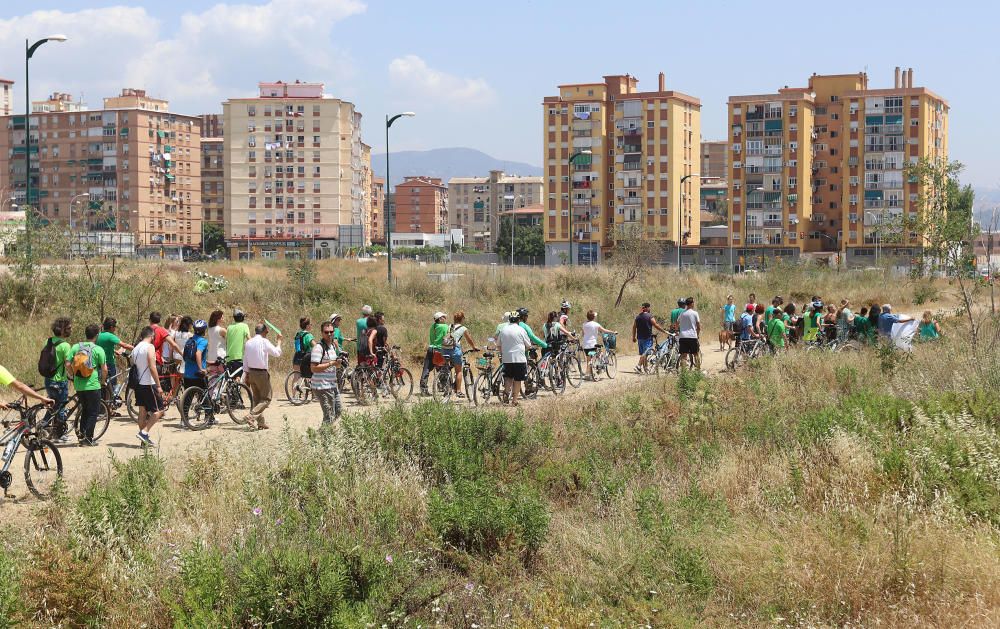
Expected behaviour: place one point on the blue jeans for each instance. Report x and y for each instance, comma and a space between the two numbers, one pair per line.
58, 391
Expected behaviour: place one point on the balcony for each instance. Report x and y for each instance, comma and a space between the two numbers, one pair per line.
632, 201
631, 165
773, 150
581, 185
772, 223
631, 148
581, 202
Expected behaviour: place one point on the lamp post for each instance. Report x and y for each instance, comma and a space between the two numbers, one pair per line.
878, 232
569, 202
388, 183
513, 206
679, 221
29, 50
72, 202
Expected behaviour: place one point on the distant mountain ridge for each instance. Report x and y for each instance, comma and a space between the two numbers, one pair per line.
447, 163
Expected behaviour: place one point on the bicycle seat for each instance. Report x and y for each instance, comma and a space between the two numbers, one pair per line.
472, 351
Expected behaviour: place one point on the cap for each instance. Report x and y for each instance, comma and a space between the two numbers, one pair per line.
438, 315
522, 312
749, 308
335, 316
366, 310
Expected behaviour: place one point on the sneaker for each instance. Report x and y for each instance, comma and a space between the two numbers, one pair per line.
87, 443
425, 392
145, 439
63, 439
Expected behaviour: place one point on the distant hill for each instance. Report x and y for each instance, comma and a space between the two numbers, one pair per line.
448, 163
986, 200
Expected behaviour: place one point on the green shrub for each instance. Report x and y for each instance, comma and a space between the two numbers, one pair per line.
687, 382
924, 292
863, 413
482, 517
10, 591
129, 505
691, 570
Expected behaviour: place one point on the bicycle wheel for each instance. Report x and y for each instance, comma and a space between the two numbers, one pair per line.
195, 414
443, 385
42, 467
468, 381
611, 365
734, 358
291, 380
130, 403
849, 346
574, 371
239, 402
401, 384
557, 379
103, 420
361, 387
531, 381
482, 390
297, 389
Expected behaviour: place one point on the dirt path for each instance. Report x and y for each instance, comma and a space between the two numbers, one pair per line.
174, 442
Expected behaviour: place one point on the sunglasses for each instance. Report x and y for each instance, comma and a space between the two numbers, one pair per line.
327, 331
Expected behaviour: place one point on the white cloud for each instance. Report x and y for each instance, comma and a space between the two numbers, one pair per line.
412, 75
213, 54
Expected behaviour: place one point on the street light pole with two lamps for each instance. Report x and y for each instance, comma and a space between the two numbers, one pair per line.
513, 207
680, 222
388, 184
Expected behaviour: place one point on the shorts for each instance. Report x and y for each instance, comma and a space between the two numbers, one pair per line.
456, 356
644, 345
517, 372
689, 346
147, 397
729, 326
591, 351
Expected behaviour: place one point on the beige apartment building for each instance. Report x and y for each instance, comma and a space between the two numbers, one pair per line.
714, 159
213, 181
475, 203
860, 140
6, 97
377, 223
140, 167
293, 163
630, 151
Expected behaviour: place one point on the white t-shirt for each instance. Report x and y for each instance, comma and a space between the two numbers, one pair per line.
167, 350
458, 333
591, 333
688, 324
216, 345
513, 342
181, 338
140, 358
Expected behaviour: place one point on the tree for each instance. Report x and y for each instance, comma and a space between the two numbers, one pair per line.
528, 240
632, 256
215, 239
302, 273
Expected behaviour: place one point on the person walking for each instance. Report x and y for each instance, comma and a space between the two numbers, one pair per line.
324, 359
729, 314
689, 331
52, 366
88, 366
514, 344
642, 333
112, 345
460, 333
216, 337
148, 392
592, 331
437, 337
255, 361
236, 339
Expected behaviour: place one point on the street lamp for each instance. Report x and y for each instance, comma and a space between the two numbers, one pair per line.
388, 227
569, 201
679, 222
72, 202
29, 50
513, 206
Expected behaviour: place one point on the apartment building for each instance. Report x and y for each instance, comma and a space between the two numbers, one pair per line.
6, 97
377, 224
365, 192
213, 181
58, 101
843, 185
421, 206
140, 167
293, 163
714, 159
213, 126
475, 203
630, 151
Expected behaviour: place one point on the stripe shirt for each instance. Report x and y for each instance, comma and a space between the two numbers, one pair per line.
326, 379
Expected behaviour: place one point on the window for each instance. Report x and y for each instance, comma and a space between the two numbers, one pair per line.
251, 110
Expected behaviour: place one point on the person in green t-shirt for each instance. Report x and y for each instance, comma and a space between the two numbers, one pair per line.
88, 386
236, 338
438, 330
776, 333
57, 387
108, 341
677, 312
862, 326
303, 344
338, 334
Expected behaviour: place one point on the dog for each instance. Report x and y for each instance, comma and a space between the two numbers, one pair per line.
726, 339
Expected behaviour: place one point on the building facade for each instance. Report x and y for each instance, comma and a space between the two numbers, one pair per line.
213, 181
377, 225
421, 206
630, 152
213, 126
58, 101
843, 190
715, 159
293, 163
6, 97
475, 203
140, 168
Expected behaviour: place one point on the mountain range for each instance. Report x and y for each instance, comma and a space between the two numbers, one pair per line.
447, 163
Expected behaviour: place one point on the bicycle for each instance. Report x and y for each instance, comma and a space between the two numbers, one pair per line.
224, 393
605, 359
298, 390
552, 373
744, 352
468, 380
49, 428
568, 359
172, 384
442, 376
42, 462
489, 382
665, 355
369, 381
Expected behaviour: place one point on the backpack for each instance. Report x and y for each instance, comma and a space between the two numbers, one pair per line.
47, 364
191, 349
83, 361
738, 326
449, 338
300, 352
133, 377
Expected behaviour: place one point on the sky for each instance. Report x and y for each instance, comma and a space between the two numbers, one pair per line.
476, 72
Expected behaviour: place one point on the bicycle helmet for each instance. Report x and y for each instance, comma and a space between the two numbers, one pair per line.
681, 302
200, 325
565, 305
522, 312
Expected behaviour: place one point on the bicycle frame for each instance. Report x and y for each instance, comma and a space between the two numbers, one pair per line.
13, 436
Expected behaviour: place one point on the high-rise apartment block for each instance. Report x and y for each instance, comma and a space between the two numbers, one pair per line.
377, 224
139, 164
293, 163
213, 126
714, 159
475, 203
213, 181
630, 151
421, 206
841, 186
6, 97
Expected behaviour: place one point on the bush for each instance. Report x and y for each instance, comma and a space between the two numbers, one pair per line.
480, 516
129, 505
10, 591
924, 292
